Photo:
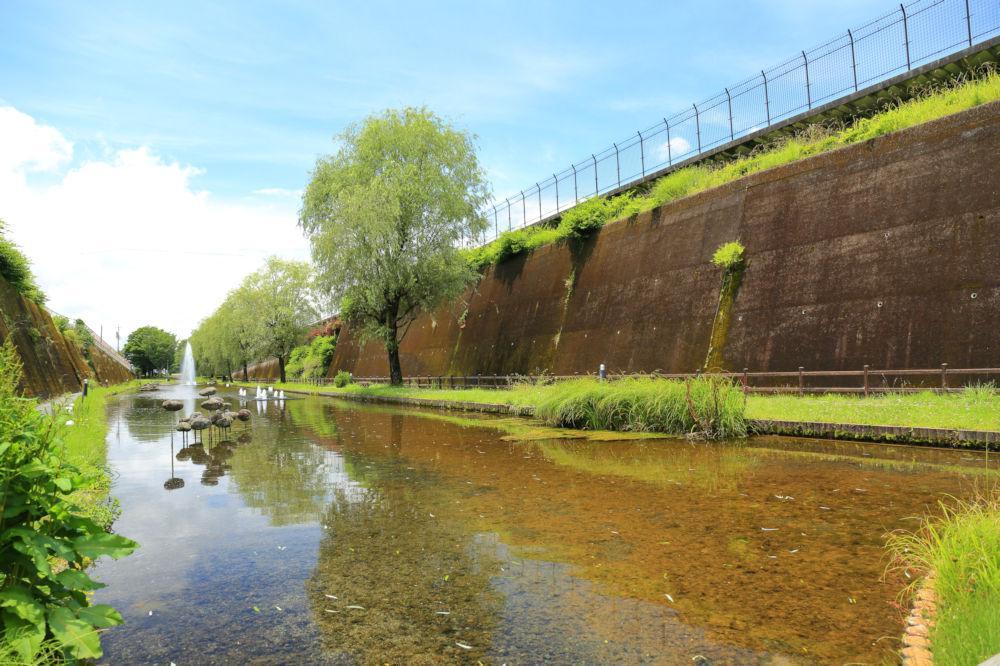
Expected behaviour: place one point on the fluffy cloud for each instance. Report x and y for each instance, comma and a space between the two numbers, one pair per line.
128, 240
678, 147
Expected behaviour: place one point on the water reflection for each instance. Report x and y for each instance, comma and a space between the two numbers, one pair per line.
458, 544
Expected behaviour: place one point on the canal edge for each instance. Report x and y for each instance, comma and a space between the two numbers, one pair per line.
917, 649
951, 438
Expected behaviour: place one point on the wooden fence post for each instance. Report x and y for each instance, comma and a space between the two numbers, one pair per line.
944, 375
802, 381
866, 380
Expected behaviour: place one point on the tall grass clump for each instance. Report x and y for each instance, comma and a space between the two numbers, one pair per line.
961, 549
707, 407
932, 103
46, 543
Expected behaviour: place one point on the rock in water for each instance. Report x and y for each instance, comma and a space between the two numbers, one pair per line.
172, 405
211, 390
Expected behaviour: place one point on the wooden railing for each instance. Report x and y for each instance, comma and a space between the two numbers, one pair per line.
865, 381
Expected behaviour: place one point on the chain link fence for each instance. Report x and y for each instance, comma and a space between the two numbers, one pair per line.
897, 42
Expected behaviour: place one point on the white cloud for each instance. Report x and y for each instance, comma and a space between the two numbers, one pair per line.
28, 146
127, 239
279, 192
678, 147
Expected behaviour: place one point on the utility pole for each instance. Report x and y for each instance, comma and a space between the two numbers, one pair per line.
118, 338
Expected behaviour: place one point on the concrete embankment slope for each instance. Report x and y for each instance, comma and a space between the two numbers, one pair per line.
52, 364
881, 253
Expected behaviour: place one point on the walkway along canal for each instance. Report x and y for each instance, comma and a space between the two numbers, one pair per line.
330, 532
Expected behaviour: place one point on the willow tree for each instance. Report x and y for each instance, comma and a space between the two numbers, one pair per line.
279, 297
385, 216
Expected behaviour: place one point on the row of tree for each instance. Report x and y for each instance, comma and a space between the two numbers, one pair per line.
385, 217
265, 317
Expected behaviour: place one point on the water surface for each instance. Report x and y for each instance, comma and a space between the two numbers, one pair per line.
330, 532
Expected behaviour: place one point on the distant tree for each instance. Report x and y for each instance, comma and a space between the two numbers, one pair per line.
150, 348
385, 216
279, 297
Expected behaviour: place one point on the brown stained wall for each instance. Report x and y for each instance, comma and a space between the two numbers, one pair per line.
264, 370
52, 364
908, 220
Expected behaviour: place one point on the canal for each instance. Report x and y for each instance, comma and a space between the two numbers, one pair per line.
332, 532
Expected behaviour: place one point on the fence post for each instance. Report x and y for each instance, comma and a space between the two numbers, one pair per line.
496, 225
509, 225
642, 154
618, 166
968, 21
906, 35
697, 126
746, 379
809, 99
557, 191
597, 189
670, 156
524, 210
944, 375
854, 62
866, 380
729, 102
576, 191
539, 188
802, 381
767, 98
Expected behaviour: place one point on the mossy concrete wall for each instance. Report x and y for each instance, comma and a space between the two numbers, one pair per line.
52, 364
882, 253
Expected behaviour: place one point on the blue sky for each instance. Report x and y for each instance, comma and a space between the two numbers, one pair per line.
141, 135
251, 93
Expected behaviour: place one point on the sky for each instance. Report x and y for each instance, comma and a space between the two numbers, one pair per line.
152, 154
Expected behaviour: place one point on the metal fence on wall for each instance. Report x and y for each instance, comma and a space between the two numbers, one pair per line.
899, 41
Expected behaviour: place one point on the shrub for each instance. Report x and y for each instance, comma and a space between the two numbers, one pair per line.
16, 269
342, 379
729, 255
41, 604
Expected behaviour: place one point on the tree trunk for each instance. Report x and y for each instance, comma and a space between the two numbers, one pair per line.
395, 369
281, 368
246, 375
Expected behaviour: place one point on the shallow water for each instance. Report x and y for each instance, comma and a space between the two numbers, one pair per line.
330, 532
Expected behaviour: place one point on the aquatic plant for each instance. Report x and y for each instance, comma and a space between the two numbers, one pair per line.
42, 602
961, 548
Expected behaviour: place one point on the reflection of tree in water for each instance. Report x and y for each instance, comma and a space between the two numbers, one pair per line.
401, 552
319, 416
147, 421
213, 456
284, 476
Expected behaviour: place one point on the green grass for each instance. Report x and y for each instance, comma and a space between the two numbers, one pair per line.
976, 408
710, 407
594, 213
85, 444
962, 549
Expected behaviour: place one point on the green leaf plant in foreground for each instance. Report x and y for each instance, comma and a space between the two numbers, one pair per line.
45, 545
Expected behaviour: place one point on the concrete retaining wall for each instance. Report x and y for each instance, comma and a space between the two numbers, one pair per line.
882, 253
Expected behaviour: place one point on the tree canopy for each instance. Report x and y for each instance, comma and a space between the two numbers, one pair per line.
150, 348
16, 269
385, 216
265, 317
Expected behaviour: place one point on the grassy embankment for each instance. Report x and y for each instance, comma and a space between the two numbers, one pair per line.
975, 408
962, 550
708, 407
85, 443
594, 213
